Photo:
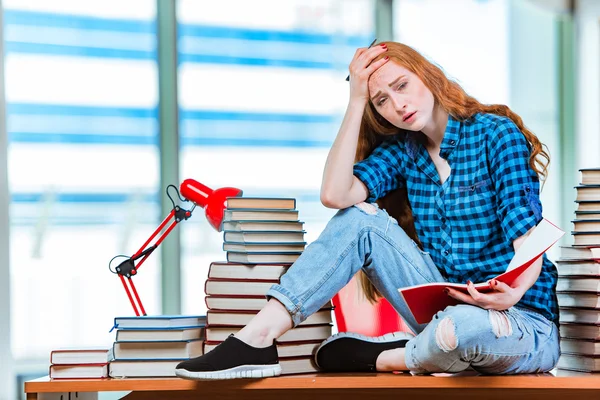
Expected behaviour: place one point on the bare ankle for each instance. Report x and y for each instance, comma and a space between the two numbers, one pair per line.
391, 360
270, 323
260, 338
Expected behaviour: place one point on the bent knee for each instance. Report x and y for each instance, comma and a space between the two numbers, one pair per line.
462, 316
367, 208
501, 325
445, 335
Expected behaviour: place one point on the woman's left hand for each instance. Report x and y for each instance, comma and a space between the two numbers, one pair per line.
502, 296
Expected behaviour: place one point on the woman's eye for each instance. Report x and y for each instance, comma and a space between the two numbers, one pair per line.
401, 86
381, 101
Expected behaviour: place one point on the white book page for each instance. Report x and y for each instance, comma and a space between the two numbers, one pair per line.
539, 240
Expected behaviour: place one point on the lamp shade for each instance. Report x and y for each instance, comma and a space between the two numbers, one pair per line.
213, 201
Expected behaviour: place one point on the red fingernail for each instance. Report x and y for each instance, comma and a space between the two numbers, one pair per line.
469, 282
383, 45
386, 58
446, 290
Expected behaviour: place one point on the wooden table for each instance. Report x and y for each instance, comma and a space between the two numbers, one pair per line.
343, 386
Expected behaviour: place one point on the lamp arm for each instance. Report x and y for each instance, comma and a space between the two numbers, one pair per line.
213, 201
128, 268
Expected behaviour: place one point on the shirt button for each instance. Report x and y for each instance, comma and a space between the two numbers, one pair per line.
452, 142
446, 252
527, 189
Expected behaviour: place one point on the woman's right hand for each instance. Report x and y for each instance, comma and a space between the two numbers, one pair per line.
361, 67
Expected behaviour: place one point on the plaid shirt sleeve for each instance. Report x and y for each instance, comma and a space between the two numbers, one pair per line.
516, 184
380, 172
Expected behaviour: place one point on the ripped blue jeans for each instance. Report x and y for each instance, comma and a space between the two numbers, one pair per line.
365, 237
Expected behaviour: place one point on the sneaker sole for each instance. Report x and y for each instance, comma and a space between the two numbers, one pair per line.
387, 338
242, 371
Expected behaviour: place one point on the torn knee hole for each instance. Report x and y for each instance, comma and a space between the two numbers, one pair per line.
501, 325
367, 208
445, 335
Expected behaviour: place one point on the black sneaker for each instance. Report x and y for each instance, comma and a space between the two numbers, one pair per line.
352, 352
230, 360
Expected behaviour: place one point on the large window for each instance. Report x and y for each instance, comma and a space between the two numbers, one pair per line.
261, 99
81, 92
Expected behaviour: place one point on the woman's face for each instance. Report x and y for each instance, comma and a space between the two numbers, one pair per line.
400, 97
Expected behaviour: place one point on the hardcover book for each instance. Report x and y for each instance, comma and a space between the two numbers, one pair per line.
427, 299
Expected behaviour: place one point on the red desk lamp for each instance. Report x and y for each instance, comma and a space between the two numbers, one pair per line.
213, 202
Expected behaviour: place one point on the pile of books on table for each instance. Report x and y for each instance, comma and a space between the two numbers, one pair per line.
578, 286
262, 238
79, 363
152, 346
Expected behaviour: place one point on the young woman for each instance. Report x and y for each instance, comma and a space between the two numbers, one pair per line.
462, 180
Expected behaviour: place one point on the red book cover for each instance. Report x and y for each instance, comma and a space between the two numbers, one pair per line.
427, 299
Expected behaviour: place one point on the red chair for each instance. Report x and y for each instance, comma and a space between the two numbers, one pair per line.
354, 313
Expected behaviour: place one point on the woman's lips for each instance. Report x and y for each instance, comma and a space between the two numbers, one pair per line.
410, 117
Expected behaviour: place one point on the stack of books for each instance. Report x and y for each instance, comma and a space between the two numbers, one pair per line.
80, 363
578, 286
262, 238
152, 346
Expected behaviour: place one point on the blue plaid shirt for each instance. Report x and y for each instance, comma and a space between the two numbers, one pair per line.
468, 223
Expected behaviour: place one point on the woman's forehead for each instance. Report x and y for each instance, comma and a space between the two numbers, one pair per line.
387, 73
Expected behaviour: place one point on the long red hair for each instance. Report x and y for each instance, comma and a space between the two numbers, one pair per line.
451, 98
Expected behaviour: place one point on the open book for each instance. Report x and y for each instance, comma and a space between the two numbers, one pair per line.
427, 299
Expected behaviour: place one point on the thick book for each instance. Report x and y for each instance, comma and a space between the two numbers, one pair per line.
578, 284
578, 268
251, 226
298, 365
588, 192
579, 363
237, 287
264, 237
579, 331
242, 318
143, 368
79, 371
159, 321
590, 176
580, 346
298, 334
579, 253
590, 239
260, 215
586, 225
427, 299
261, 248
588, 205
224, 270
158, 350
284, 350
241, 303
262, 258
159, 335
274, 203
89, 355
579, 316
582, 300
587, 215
